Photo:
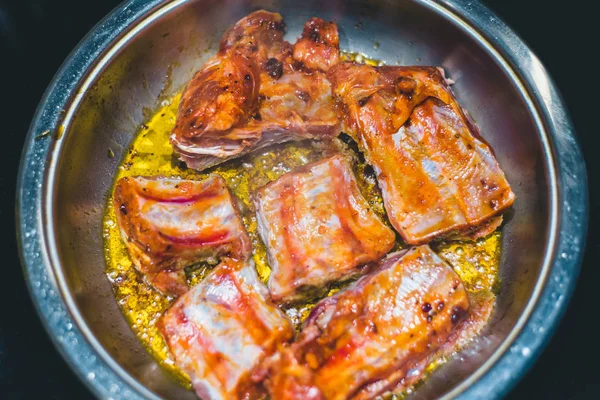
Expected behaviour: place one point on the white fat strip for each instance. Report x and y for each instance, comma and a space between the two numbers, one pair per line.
308, 223
271, 316
333, 222
222, 151
325, 317
162, 184
447, 189
186, 218
225, 292
225, 332
398, 137
315, 184
418, 282
210, 387
249, 280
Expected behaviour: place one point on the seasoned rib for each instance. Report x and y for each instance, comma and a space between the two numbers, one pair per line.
380, 331
254, 94
169, 224
222, 329
286, 378
436, 175
318, 228
319, 46
258, 35
220, 97
224, 94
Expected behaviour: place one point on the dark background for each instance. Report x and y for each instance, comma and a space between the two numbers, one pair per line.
37, 35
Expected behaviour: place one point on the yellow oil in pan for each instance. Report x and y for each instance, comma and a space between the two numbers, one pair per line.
151, 154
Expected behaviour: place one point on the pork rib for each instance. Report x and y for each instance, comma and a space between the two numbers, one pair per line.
318, 228
169, 224
255, 92
222, 329
382, 330
437, 176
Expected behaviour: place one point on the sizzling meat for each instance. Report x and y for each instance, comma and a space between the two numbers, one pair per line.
222, 329
482, 306
436, 175
318, 228
169, 224
319, 46
379, 332
253, 93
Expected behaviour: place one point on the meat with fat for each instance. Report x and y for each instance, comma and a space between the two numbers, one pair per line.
255, 93
169, 224
318, 229
437, 176
222, 329
376, 334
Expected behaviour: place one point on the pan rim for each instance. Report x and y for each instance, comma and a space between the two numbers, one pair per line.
494, 378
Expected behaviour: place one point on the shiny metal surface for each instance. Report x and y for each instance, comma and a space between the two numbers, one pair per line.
145, 51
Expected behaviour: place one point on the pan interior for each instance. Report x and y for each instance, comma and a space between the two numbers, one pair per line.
149, 65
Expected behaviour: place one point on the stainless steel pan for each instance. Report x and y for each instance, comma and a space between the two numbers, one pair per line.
144, 51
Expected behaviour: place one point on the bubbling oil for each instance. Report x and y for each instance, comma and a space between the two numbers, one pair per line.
151, 154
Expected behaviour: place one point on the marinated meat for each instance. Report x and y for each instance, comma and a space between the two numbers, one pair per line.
222, 329
319, 46
258, 36
377, 101
224, 94
169, 224
379, 332
436, 175
318, 228
253, 93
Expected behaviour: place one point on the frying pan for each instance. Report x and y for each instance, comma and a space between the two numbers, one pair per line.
145, 51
